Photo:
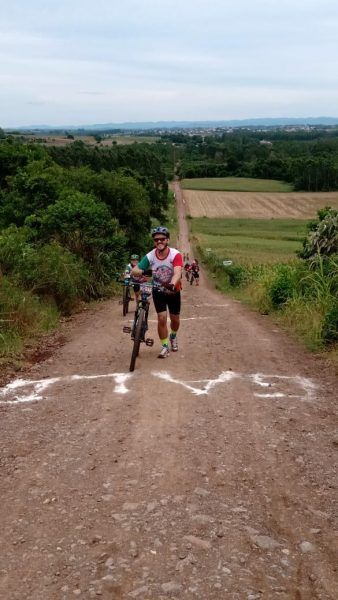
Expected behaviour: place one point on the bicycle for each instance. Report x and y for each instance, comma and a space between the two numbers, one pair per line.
139, 327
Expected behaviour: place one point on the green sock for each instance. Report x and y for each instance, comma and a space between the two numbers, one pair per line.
172, 334
164, 342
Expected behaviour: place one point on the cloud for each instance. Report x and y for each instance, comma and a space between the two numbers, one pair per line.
167, 60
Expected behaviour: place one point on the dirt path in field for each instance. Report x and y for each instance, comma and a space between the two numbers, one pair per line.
209, 475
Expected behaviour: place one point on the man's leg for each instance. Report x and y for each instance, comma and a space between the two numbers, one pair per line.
174, 313
163, 334
162, 327
174, 322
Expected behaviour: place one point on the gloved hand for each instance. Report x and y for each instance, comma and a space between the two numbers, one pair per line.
170, 287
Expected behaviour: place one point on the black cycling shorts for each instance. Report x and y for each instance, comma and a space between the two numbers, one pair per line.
136, 287
170, 302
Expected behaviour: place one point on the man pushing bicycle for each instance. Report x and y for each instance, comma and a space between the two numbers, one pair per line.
166, 264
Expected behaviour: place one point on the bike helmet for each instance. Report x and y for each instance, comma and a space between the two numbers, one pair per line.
134, 257
162, 230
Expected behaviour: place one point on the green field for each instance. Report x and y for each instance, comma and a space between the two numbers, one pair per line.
250, 241
236, 184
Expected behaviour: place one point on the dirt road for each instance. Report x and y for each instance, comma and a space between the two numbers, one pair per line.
209, 475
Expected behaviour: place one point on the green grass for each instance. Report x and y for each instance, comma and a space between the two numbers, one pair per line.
250, 241
236, 184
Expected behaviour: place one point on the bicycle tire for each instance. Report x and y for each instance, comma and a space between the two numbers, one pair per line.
137, 338
126, 300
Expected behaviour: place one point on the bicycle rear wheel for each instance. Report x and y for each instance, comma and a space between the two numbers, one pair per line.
126, 300
137, 338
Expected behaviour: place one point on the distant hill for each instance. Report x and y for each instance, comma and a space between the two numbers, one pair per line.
147, 125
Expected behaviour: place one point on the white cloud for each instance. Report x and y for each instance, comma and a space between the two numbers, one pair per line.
167, 60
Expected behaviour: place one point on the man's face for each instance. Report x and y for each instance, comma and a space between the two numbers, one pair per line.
160, 242
133, 262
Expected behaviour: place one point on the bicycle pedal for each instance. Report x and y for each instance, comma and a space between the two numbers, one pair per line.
126, 329
149, 342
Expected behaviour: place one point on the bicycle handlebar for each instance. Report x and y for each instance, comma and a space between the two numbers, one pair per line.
154, 285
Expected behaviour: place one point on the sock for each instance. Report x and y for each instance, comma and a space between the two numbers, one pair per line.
164, 342
172, 334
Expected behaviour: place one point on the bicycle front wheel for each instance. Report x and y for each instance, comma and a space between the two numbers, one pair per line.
137, 338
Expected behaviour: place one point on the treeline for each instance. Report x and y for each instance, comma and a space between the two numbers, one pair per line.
308, 160
69, 217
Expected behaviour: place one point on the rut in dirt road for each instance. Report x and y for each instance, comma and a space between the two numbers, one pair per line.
208, 475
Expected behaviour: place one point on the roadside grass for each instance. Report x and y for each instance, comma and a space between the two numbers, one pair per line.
267, 275
236, 184
250, 241
23, 316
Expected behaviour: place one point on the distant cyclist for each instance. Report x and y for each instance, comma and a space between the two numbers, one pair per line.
133, 279
195, 272
187, 267
166, 264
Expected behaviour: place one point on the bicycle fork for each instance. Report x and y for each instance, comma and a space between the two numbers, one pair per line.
128, 329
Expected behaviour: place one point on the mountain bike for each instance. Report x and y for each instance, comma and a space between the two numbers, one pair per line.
139, 327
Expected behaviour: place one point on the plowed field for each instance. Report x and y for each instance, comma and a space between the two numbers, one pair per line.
257, 205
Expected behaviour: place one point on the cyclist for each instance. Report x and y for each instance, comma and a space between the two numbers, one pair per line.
166, 264
195, 268
187, 267
134, 258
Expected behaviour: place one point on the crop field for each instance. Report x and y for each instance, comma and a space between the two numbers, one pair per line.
257, 205
250, 241
236, 184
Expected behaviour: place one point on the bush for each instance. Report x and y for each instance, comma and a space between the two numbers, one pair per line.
237, 275
48, 270
330, 324
86, 228
282, 285
322, 239
21, 313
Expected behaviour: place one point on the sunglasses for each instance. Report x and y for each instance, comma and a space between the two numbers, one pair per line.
157, 240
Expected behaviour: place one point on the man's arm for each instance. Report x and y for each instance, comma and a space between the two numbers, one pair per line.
177, 275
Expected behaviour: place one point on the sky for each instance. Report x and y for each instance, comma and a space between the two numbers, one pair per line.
76, 62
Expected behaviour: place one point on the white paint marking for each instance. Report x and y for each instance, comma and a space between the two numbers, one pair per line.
120, 379
212, 305
259, 379
40, 385
186, 319
208, 383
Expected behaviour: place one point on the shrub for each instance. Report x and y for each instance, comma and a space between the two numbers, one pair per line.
282, 285
21, 313
322, 239
48, 270
330, 324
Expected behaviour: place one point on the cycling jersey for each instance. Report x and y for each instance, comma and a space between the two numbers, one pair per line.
162, 268
133, 278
